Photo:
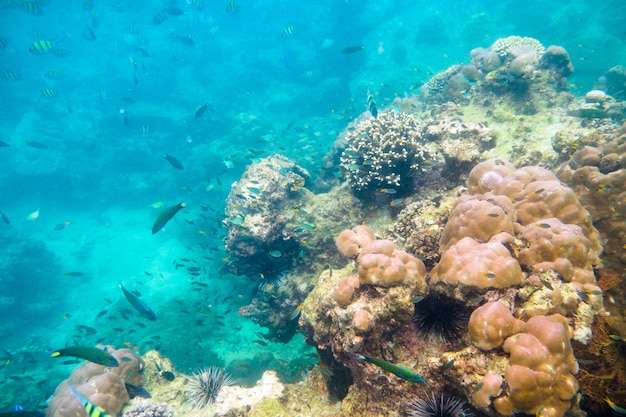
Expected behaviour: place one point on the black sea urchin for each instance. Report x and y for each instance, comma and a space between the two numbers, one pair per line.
203, 386
438, 407
441, 318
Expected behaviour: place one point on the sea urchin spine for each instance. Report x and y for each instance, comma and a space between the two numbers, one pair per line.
203, 386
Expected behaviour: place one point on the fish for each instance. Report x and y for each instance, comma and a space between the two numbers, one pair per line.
288, 31
48, 93
73, 274
157, 204
388, 190
42, 46
351, 49
232, 7
37, 145
174, 162
201, 110
371, 104
275, 253
136, 391
4, 144
32, 8
33, 216
4, 218
165, 216
397, 370
9, 75
615, 407
139, 305
296, 312
174, 11
62, 225
159, 17
91, 409
588, 113
146, 129
88, 353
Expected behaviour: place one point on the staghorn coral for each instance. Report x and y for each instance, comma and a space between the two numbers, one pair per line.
101, 385
384, 154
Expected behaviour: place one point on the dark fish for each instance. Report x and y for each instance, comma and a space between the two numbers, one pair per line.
128, 100
201, 110
167, 375
73, 274
36, 145
139, 305
165, 216
174, 162
70, 362
91, 354
371, 104
88, 331
4, 218
351, 49
102, 313
4, 144
260, 342
137, 391
588, 113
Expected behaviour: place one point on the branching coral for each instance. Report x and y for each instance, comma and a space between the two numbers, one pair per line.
384, 154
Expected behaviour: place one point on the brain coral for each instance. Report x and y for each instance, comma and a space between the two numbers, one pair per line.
384, 153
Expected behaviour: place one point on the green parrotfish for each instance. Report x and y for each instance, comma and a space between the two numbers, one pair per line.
88, 353
165, 216
397, 370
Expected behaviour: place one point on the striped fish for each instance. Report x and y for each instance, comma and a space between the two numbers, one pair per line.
91, 409
41, 47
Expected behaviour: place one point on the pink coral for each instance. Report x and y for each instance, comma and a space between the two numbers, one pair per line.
343, 292
350, 241
383, 265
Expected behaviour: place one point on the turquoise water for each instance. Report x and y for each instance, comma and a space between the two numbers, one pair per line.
119, 86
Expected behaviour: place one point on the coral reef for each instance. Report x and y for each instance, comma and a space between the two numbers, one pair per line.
385, 154
102, 386
149, 409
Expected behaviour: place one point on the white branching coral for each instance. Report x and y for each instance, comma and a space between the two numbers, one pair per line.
383, 153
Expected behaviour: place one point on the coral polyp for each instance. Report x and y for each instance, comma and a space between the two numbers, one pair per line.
438, 407
204, 386
441, 318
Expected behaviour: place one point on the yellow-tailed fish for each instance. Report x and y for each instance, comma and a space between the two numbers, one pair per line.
397, 370
88, 353
61, 226
139, 305
296, 312
165, 216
